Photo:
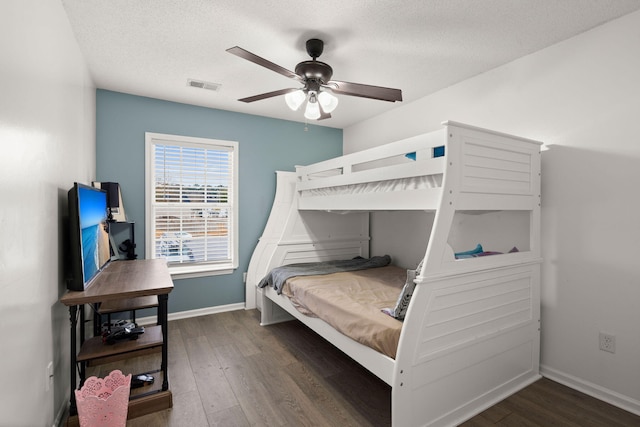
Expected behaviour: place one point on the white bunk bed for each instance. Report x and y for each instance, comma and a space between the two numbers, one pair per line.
471, 334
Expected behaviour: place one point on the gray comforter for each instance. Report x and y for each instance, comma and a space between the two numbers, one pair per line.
279, 275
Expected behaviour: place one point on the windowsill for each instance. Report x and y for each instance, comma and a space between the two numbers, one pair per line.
179, 271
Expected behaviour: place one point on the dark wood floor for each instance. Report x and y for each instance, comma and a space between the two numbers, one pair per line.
226, 370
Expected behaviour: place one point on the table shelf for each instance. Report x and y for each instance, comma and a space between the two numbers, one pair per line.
96, 351
116, 306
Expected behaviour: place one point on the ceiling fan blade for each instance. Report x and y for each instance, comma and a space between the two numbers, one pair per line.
245, 54
365, 91
267, 95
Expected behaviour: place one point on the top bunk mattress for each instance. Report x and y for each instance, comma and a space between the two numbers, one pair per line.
393, 185
352, 302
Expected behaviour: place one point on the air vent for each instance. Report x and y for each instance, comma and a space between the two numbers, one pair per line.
200, 84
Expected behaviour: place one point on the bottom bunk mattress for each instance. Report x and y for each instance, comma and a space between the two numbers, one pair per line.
352, 303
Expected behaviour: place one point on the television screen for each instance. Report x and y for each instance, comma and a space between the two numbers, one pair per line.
90, 250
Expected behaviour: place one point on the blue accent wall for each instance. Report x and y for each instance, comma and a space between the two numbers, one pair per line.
265, 145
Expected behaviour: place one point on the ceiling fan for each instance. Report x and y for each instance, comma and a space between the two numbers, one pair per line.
318, 86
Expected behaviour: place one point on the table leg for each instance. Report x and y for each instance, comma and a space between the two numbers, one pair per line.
83, 365
73, 318
162, 318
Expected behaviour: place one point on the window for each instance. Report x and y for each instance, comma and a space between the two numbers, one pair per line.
191, 203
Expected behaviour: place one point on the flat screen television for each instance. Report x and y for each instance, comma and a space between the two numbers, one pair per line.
89, 235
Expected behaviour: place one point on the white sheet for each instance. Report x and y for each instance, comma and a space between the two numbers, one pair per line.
412, 183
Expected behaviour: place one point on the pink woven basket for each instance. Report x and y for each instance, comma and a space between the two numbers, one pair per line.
104, 402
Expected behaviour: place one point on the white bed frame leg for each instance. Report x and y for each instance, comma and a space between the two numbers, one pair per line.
271, 312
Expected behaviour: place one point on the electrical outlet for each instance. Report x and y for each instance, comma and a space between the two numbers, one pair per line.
607, 342
244, 277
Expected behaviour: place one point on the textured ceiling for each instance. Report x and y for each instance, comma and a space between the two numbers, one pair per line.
151, 47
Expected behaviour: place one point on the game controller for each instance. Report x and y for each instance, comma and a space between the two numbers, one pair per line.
141, 380
122, 333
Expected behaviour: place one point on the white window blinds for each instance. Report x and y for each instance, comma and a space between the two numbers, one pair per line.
191, 194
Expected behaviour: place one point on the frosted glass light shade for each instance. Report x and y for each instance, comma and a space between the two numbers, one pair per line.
327, 101
312, 112
295, 99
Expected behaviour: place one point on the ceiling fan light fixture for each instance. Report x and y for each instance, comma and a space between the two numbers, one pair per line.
295, 99
312, 112
327, 101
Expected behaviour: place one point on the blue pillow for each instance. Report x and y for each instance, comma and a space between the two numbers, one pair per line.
469, 253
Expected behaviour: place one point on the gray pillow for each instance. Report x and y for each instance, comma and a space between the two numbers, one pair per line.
402, 304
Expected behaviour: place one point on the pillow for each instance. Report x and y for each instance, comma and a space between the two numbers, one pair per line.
400, 310
469, 254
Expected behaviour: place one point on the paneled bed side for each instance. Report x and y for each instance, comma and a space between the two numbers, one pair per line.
471, 334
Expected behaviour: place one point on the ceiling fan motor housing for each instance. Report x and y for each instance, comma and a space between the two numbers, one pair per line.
315, 73
315, 70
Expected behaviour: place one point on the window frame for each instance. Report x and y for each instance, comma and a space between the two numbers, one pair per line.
196, 269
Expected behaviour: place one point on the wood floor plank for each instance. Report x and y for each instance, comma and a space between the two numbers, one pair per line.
250, 319
243, 339
294, 405
558, 405
325, 397
538, 414
519, 420
278, 348
366, 394
306, 345
181, 378
232, 417
479, 420
160, 418
215, 330
490, 416
238, 372
176, 343
260, 409
187, 411
265, 338
259, 405
572, 403
189, 327
215, 391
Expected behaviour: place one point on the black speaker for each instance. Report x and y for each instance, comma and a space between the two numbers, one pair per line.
113, 193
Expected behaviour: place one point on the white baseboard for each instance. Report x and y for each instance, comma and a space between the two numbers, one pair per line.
594, 390
59, 420
152, 320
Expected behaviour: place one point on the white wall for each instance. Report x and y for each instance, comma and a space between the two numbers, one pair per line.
47, 136
581, 97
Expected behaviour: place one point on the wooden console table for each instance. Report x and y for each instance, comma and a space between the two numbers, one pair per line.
122, 283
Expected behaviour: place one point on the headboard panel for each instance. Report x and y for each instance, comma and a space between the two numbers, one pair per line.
292, 236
